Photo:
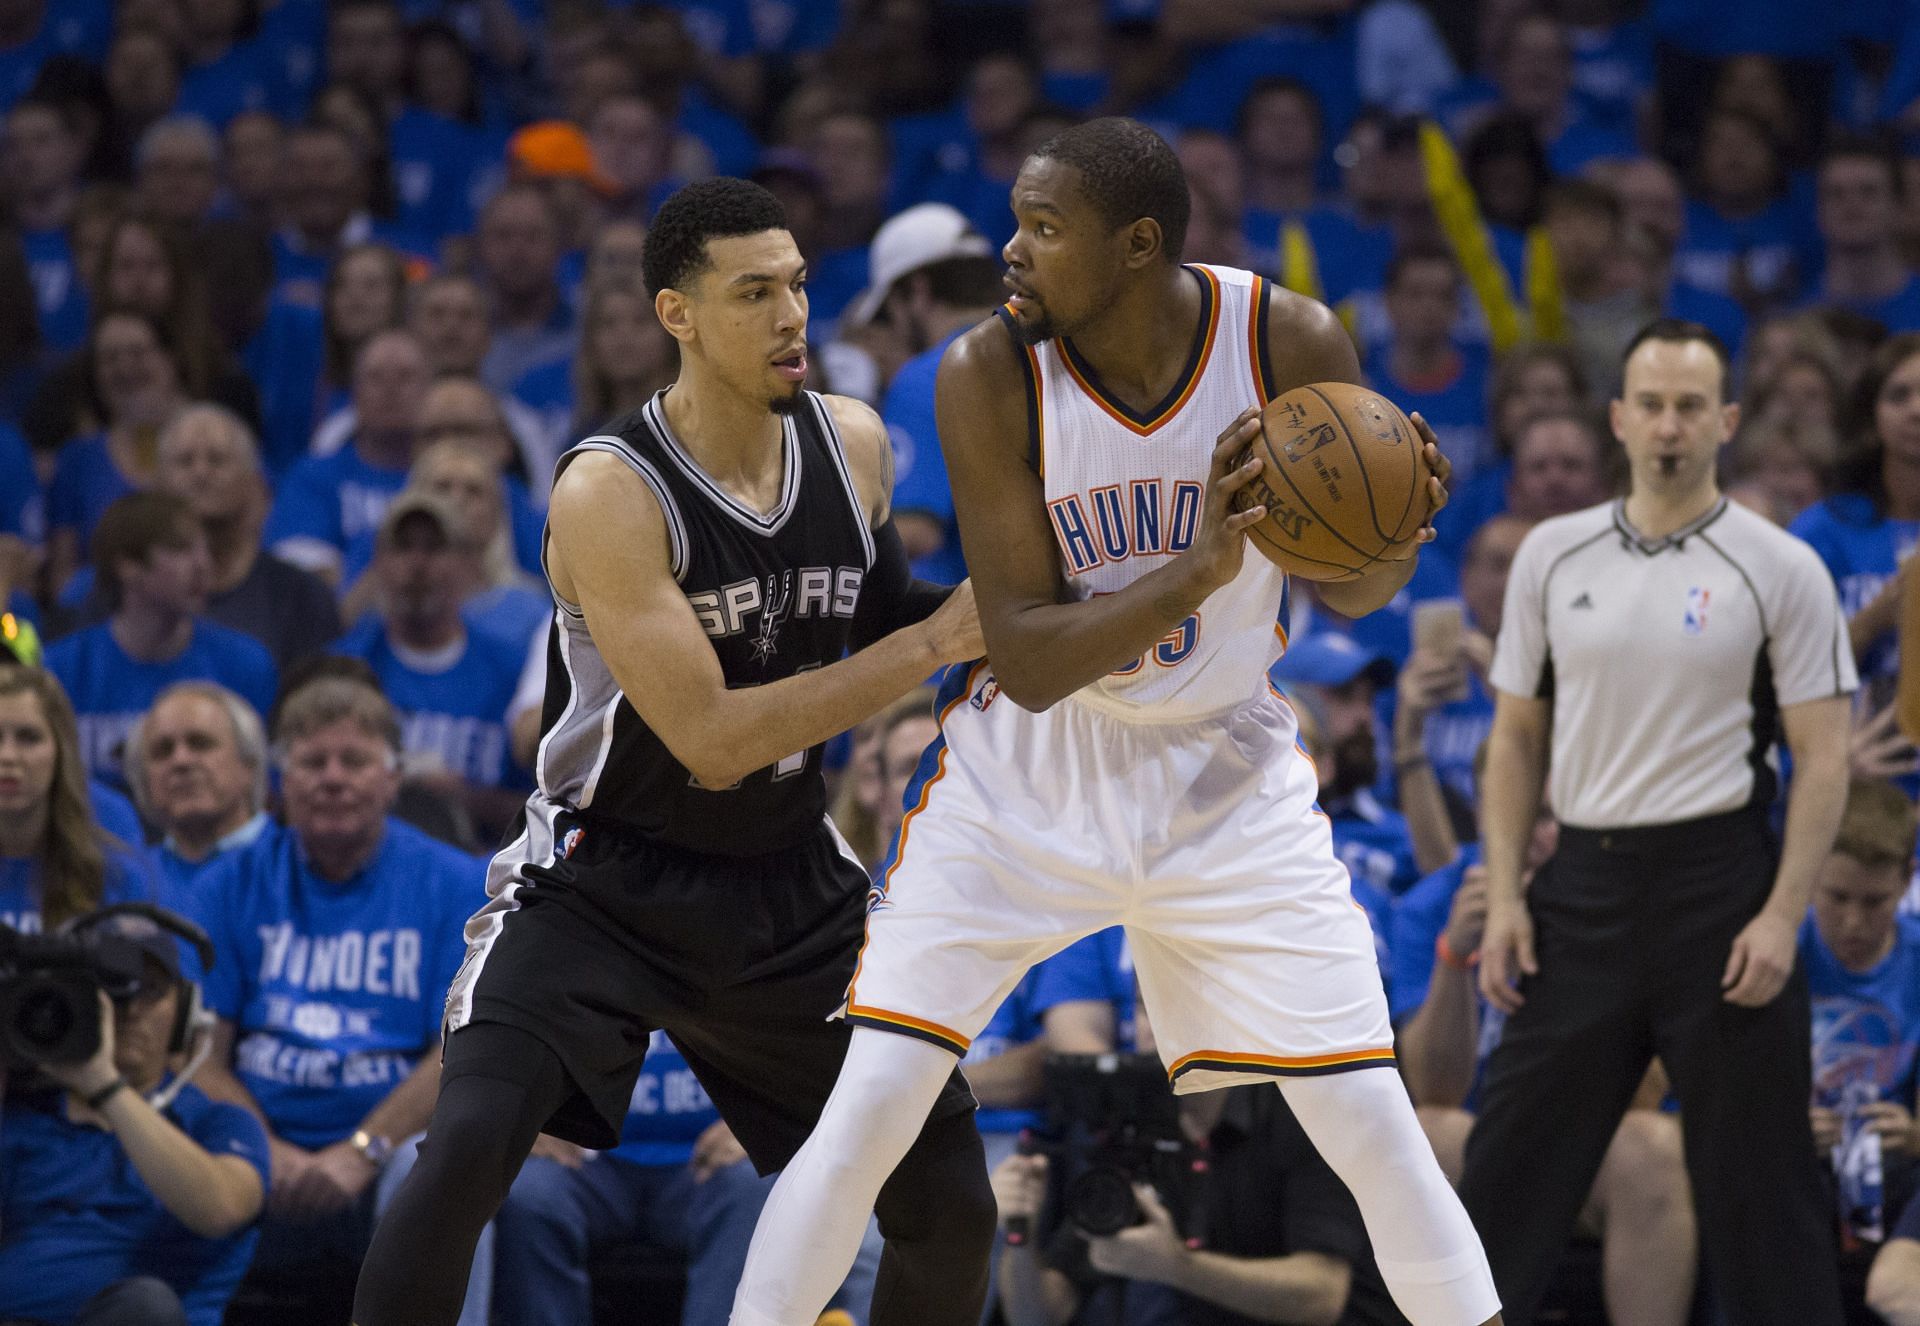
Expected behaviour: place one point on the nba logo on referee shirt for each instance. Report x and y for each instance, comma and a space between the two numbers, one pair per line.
1695, 622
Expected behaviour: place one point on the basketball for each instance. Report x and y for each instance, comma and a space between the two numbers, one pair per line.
1344, 483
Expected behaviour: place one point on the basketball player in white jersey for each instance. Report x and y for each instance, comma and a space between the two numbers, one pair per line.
1120, 758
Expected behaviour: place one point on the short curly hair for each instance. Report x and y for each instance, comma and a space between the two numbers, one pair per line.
1129, 172
676, 247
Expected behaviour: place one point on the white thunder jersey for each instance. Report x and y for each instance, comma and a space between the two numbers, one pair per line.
1125, 492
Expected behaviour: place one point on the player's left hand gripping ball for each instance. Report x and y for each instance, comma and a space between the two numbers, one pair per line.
1440, 470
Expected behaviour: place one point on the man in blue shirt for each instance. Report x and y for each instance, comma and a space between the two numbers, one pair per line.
1858, 210
932, 278
43, 158
1423, 367
1863, 971
127, 1199
150, 554
451, 685
335, 943
326, 194
327, 502
197, 765
518, 244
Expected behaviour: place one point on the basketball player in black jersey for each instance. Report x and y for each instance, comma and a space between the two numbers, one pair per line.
713, 557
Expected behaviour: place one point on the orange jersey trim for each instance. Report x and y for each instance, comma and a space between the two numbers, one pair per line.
952, 1039
1308, 1064
1259, 306
1146, 428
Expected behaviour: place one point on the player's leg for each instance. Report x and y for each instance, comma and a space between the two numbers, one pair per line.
500, 1087
1642, 1207
814, 1220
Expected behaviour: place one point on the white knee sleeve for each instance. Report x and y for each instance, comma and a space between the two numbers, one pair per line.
1363, 1125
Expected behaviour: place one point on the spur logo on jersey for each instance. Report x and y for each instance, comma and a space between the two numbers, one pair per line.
1140, 518
1695, 621
810, 591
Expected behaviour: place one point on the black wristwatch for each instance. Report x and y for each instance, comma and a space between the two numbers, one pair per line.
106, 1093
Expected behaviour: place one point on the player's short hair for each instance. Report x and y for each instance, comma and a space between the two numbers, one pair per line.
1878, 827
1128, 172
676, 247
129, 531
1679, 331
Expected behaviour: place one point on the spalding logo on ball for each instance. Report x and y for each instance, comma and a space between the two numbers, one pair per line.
1344, 484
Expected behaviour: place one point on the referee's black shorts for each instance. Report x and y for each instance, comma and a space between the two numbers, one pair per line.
742, 961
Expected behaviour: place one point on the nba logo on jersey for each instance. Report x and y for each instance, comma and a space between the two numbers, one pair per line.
1695, 622
570, 840
989, 692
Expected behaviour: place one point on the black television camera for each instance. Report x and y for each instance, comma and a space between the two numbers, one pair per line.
50, 984
1113, 1122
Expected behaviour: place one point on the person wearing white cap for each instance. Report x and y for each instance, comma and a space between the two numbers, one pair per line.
934, 276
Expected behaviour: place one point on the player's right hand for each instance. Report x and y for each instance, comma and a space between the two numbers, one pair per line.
1020, 1186
1506, 954
953, 631
1220, 542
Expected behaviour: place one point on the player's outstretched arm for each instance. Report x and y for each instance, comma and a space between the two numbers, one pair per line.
609, 554
1043, 644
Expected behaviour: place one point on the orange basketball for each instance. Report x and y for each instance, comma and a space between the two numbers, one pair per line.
1344, 484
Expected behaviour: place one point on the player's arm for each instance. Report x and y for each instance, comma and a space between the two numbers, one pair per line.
609, 554
1044, 645
1310, 345
890, 597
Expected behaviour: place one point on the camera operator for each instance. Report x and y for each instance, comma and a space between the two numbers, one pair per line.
119, 1207
1285, 1242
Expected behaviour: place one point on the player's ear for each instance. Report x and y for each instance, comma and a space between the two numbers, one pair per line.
1145, 243
675, 312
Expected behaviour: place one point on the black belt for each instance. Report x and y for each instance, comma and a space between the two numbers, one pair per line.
1675, 838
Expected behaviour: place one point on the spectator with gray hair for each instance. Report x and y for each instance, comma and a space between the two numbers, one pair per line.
176, 169
197, 765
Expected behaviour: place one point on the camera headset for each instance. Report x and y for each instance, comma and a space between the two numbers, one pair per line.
193, 1020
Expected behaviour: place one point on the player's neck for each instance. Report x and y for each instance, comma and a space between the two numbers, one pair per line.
1138, 346
733, 439
1657, 512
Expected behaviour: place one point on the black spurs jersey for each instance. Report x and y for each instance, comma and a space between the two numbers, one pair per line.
776, 595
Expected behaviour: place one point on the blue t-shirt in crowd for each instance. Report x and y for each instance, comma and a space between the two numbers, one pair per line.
1776, 243
1612, 68
180, 878
546, 390
327, 502
1897, 312
920, 469
285, 359
1469, 506
668, 1111
23, 508
434, 162
1099, 967
1457, 409
59, 297
1863, 550
1718, 312
336, 989
129, 878
1455, 732
1375, 845
454, 709
1418, 921
251, 76
75, 1215
85, 483
114, 812
110, 690
1015, 1023
1217, 78
1866, 1025
1788, 29
1348, 256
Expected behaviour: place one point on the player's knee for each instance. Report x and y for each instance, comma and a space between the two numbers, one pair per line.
949, 1160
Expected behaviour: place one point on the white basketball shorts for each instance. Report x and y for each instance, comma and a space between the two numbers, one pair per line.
1026, 832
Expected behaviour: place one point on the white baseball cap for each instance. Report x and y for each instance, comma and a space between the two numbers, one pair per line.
918, 237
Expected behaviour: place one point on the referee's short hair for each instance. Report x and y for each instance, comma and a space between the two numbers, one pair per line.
1679, 331
1878, 827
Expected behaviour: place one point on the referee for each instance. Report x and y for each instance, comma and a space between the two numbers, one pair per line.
1650, 652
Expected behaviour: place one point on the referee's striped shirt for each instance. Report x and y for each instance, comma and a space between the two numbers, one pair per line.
1667, 660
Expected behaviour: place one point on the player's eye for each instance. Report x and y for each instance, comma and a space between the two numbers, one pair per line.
1042, 229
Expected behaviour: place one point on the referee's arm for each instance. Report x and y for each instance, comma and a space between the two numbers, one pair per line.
1510, 795
1763, 952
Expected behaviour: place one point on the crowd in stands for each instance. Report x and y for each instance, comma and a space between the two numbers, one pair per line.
301, 299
